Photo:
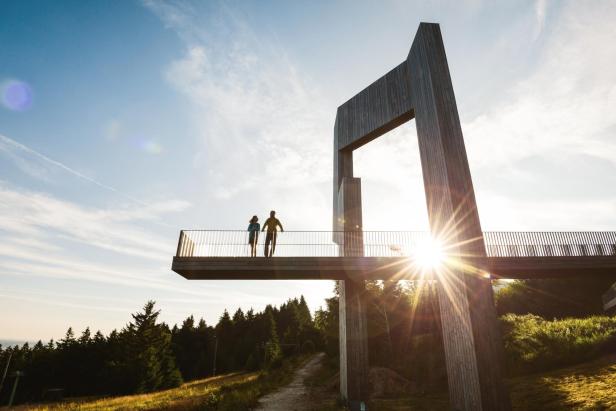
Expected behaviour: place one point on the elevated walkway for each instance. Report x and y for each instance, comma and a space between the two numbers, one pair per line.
223, 255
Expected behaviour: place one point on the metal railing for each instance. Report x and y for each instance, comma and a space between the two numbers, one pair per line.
550, 243
221, 243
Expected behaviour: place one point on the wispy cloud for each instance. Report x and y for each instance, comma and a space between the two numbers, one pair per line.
43, 236
264, 127
45, 240
556, 125
42, 214
262, 116
17, 150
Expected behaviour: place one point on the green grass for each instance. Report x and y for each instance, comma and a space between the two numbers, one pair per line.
189, 396
229, 392
589, 386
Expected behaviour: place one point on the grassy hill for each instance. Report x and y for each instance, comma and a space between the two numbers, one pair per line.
229, 392
588, 386
193, 395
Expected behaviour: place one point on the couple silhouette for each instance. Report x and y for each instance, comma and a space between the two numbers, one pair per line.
272, 224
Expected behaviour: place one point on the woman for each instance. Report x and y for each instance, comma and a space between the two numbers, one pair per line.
253, 235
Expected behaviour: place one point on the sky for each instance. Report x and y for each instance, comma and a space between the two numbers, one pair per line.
123, 122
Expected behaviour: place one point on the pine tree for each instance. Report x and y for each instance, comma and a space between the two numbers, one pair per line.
304, 312
204, 337
272, 345
153, 364
224, 335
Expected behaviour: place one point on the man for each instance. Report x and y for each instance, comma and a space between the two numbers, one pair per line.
271, 223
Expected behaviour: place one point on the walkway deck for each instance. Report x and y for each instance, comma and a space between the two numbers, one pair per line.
218, 256
380, 268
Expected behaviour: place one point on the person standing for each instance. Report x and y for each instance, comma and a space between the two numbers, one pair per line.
253, 235
271, 224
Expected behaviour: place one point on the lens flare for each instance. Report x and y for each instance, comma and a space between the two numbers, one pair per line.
430, 254
145, 145
16, 95
152, 147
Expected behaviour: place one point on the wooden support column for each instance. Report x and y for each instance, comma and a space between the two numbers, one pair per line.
470, 329
353, 343
352, 314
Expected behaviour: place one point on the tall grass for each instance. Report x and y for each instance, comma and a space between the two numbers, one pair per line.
533, 343
230, 392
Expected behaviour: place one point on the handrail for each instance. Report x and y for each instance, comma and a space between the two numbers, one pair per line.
234, 243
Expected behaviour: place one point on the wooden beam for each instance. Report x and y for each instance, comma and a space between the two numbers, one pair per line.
353, 328
473, 347
379, 108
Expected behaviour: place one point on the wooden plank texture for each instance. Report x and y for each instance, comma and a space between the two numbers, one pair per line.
379, 108
343, 167
470, 330
352, 305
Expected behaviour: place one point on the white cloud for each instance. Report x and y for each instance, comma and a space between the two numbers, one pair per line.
567, 104
562, 117
261, 123
43, 215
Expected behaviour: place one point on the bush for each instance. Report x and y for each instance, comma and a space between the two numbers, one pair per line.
553, 298
535, 344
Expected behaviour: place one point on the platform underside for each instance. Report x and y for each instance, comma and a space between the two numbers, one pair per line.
381, 268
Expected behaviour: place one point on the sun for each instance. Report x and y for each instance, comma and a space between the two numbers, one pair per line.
429, 254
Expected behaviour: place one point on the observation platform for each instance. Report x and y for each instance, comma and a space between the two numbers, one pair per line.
390, 255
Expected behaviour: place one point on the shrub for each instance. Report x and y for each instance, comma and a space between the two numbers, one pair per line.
533, 343
553, 298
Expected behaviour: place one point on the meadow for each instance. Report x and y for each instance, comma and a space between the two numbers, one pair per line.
228, 392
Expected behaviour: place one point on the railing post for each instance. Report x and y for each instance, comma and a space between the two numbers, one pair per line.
180, 241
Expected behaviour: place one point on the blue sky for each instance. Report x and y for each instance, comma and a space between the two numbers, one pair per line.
137, 119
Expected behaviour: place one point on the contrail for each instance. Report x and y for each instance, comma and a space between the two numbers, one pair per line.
76, 173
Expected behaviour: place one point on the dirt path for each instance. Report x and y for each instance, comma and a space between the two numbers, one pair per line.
292, 397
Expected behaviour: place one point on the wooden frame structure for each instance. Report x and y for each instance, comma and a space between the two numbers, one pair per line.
420, 87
